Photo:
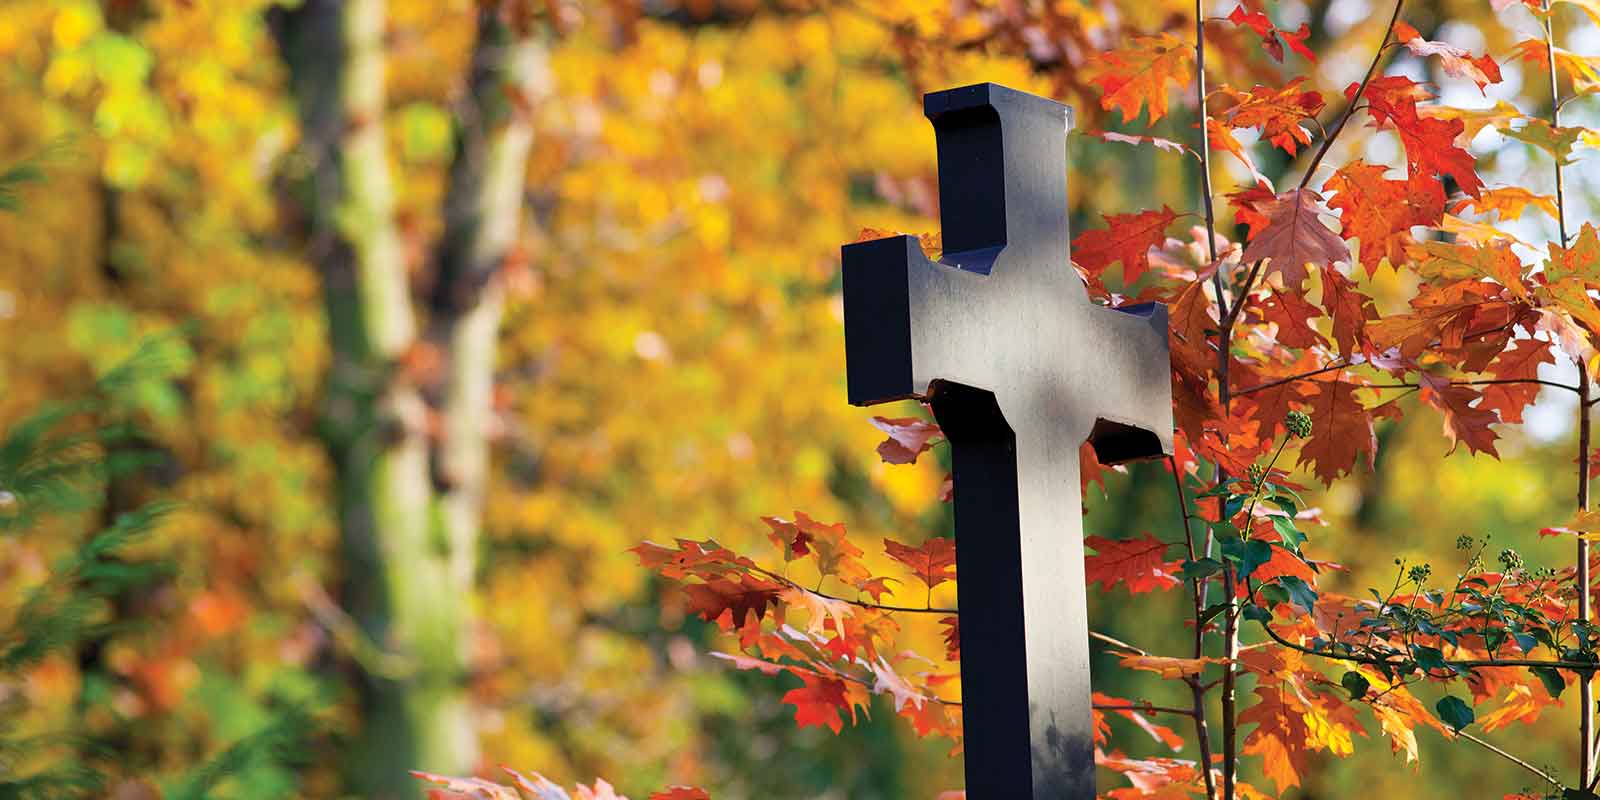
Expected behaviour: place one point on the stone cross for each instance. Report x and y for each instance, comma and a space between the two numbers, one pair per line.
1020, 369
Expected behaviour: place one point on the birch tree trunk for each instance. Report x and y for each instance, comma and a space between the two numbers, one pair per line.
410, 491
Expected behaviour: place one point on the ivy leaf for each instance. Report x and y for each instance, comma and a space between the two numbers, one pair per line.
1356, 684
1255, 553
1300, 592
1454, 712
1552, 680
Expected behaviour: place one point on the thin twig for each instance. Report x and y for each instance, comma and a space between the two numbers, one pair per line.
1509, 757
1372, 71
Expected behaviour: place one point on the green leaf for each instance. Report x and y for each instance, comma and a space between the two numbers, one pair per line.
1356, 684
1201, 569
1292, 537
1454, 712
1300, 592
1553, 682
1211, 613
1429, 658
1256, 553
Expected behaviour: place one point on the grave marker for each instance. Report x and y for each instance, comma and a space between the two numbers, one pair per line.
1020, 369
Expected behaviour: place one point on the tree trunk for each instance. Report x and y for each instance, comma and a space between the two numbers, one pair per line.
410, 491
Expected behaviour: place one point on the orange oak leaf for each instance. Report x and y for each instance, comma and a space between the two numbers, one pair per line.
1455, 61
1270, 34
1140, 75
1295, 236
821, 699
1280, 736
1518, 363
1349, 309
1160, 733
732, 601
952, 637
1140, 564
1127, 238
1280, 113
1292, 313
1342, 431
1169, 667
909, 438
1367, 203
1463, 423
681, 793
1430, 142
1450, 261
1221, 138
934, 562
1508, 202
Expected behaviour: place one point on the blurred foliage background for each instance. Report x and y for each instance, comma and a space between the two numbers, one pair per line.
368, 336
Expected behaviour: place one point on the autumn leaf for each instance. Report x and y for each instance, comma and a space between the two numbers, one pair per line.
1455, 61
1508, 202
952, 637
681, 793
1367, 202
934, 562
1270, 34
1430, 142
1518, 363
1127, 238
1160, 733
1463, 423
1140, 564
1349, 309
909, 438
475, 788
1449, 261
1280, 113
741, 598
1140, 75
1295, 237
1343, 431
1279, 736
1220, 137
1169, 667
820, 700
